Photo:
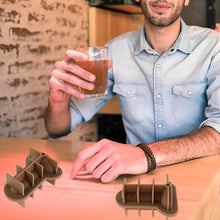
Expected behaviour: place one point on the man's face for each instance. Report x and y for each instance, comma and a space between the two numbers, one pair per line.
162, 13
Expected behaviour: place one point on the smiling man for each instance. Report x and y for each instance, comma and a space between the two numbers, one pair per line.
162, 13
167, 78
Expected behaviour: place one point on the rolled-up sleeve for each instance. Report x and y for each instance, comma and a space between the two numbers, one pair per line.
212, 111
82, 111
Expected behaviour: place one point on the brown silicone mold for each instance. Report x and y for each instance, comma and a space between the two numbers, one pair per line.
148, 197
39, 168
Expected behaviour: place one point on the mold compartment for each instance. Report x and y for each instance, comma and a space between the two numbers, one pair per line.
39, 168
149, 197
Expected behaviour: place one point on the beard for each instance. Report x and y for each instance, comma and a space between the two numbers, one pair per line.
161, 20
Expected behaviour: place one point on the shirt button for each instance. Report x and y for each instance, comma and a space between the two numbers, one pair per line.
189, 92
160, 125
158, 66
158, 96
128, 92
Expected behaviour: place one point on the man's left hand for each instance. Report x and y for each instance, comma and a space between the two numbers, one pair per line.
106, 160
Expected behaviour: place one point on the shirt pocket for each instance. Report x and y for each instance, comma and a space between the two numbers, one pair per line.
129, 91
133, 102
189, 104
190, 90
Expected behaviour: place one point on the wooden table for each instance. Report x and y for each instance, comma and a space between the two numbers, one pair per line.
197, 183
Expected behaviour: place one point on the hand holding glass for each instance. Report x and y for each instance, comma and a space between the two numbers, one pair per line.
97, 65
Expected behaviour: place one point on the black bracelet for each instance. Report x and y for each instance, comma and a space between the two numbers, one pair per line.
149, 155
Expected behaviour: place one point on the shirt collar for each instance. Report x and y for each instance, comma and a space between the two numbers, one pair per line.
143, 44
182, 43
184, 39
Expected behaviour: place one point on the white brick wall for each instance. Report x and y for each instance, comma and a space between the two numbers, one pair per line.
33, 35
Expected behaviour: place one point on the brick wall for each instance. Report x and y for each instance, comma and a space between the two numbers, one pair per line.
33, 35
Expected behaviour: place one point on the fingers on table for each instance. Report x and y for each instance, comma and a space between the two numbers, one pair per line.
83, 156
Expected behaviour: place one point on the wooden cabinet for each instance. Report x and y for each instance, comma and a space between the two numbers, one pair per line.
106, 24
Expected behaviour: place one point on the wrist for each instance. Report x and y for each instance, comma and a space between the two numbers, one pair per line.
54, 112
151, 162
58, 106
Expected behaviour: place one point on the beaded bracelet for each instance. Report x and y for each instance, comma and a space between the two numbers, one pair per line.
151, 162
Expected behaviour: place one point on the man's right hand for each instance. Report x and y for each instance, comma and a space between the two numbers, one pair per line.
67, 77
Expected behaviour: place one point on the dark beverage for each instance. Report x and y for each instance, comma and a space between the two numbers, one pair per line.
100, 69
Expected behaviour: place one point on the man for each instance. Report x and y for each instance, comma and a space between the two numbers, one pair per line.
167, 78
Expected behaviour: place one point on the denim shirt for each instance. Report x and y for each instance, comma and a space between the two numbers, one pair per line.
161, 96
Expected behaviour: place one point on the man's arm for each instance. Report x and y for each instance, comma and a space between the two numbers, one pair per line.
65, 81
106, 160
200, 143
57, 118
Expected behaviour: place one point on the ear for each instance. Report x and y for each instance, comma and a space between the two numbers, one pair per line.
186, 3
